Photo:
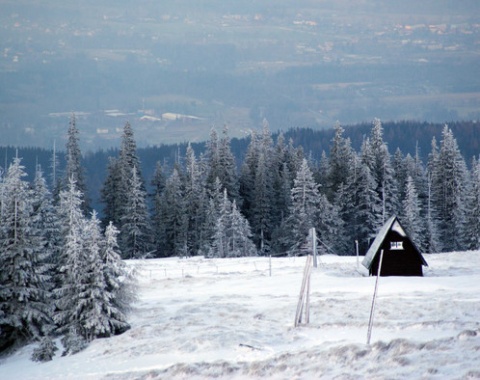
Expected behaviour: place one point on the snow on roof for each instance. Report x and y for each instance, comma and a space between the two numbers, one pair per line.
398, 228
391, 224
372, 251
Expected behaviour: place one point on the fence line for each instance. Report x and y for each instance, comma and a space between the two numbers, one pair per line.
191, 267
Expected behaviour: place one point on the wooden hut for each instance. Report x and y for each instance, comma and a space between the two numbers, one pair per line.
400, 255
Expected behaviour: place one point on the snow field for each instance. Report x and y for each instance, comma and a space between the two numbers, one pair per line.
229, 319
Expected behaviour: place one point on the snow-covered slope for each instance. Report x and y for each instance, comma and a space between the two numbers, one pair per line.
229, 319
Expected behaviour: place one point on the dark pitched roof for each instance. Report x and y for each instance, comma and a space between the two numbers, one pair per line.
391, 224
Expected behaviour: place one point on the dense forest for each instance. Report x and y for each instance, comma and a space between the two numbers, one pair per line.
62, 268
164, 174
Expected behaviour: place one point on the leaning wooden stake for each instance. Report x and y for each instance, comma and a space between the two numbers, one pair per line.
314, 245
372, 310
305, 286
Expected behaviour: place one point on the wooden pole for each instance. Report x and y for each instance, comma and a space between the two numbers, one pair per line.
372, 310
270, 265
307, 302
314, 247
356, 249
301, 298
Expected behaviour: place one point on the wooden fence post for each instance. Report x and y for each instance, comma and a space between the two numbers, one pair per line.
302, 298
372, 310
270, 265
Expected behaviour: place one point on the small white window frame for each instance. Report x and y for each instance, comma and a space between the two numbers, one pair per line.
396, 246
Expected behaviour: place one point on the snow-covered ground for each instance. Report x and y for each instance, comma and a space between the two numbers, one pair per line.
229, 319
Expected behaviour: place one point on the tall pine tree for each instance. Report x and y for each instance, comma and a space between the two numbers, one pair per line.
74, 168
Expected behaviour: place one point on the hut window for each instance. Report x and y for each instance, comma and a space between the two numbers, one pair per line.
396, 245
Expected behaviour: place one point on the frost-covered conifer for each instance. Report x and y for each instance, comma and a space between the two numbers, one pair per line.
341, 162
304, 208
382, 172
227, 166
247, 175
74, 168
231, 237
120, 280
174, 216
240, 243
116, 193
90, 299
433, 242
25, 311
473, 213
135, 231
44, 218
262, 205
411, 214
449, 193
110, 193
367, 207
195, 202
71, 261
157, 214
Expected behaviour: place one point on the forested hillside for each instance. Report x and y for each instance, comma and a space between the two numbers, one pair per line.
404, 135
62, 272
405, 148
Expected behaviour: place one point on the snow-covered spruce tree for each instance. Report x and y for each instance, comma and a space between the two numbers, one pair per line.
74, 168
110, 193
55, 177
285, 159
117, 186
45, 219
95, 302
174, 216
416, 170
329, 226
212, 159
25, 307
195, 203
265, 183
263, 203
221, 163
128, 152
71, 270
135, 231
158, 212
227, 166
432, 238
219, 244
88, 306
240, 242
321, 170
304, 208
110, 287
473, 213
449, 193
282, 182
45, 225
344, 203
247, 175
215, 199
120, 280
232, 233
412, 214
367, 209
341, 162
400, 169
382, 172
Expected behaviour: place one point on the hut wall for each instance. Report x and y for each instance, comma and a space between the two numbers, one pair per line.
398, 262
